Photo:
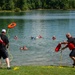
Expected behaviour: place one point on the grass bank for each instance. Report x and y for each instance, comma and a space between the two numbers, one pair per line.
38, 70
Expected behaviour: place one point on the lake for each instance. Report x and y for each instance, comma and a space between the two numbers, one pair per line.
46, 23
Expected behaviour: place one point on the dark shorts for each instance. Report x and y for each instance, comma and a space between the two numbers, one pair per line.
3, 54
72, 53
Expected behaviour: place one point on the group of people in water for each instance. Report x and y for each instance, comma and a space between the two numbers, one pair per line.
38, 37
32, 38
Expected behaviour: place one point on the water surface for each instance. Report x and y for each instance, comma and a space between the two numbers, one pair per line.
34, 23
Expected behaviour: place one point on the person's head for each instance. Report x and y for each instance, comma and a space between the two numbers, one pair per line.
4, 31
68, 35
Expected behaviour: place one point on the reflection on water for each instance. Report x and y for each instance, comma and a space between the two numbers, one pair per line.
46, 23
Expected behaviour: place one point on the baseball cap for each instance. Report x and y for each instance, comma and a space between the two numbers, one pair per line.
4, 30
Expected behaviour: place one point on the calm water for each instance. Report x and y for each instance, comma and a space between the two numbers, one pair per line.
34, 23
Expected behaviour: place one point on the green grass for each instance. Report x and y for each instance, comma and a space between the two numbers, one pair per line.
38, 70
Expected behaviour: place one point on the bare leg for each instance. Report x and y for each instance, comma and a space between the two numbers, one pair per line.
7, 62
73, 58
0, 63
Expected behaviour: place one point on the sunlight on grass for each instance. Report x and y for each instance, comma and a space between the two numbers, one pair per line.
16, 68
38, 70
47, 66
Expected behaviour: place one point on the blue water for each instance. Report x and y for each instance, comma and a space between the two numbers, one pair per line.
46, 23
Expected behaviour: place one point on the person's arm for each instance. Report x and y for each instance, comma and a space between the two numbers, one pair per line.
65, 42
64, 47
7, 46
7, 42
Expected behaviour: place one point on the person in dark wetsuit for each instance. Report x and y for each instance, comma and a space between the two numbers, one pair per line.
70, 40
3, 47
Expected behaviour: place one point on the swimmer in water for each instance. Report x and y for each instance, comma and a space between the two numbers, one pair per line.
23, 48
15, 37
53, 37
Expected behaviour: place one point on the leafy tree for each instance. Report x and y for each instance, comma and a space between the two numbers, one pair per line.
36, 4
10, 5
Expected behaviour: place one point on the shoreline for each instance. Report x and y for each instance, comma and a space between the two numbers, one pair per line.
38, 9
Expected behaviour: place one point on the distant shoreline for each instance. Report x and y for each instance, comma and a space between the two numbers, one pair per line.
37, 9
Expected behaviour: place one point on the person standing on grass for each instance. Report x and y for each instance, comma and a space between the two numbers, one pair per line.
4, 44
71, 45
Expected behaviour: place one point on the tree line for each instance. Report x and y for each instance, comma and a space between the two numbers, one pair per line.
36, 4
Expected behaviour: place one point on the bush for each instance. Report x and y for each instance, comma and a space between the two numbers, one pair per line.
0, 8
17, 10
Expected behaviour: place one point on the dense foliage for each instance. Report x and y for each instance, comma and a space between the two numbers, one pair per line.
36, 4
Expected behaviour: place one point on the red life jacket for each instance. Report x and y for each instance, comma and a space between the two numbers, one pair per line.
1, 42
71, 46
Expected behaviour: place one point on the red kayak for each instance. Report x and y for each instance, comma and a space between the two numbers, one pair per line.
57, 47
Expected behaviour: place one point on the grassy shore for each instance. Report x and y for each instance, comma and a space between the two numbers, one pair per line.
38, 70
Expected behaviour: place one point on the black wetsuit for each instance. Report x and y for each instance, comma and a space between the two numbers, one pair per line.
3, 51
